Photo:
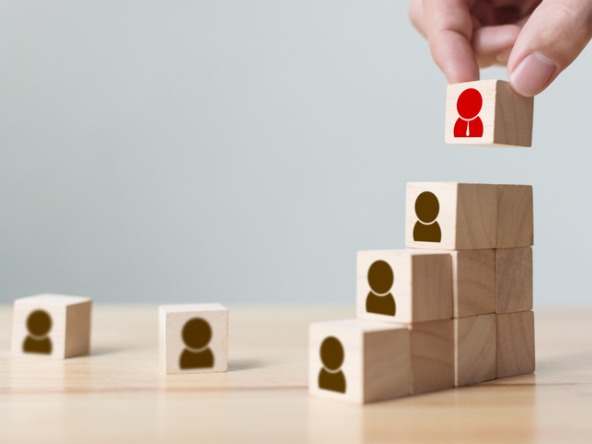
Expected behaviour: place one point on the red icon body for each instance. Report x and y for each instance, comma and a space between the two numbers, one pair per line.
469, 123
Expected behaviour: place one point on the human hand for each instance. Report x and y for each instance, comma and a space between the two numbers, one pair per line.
536, 39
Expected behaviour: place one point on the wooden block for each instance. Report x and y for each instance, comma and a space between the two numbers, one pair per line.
474, 349
404, 285
488, 112
51, 325
513, 277
432, 356
473, 281
515, 227
193, 338
358, 361
451, 216
515, 344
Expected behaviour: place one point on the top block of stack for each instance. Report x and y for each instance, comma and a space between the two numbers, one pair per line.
489, 113
462, 216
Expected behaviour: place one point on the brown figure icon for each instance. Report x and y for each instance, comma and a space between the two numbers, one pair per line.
38, 326
196, 335
331, 377
380, 299
427, 228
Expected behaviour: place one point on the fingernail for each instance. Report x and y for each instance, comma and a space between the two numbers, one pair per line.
533, 74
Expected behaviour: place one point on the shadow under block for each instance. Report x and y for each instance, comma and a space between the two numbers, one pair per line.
515, 227
474, 350
504, 115
404, 286
515, 344
513, 275
463, 215
359, 361
432, 356
51, 325
193, 338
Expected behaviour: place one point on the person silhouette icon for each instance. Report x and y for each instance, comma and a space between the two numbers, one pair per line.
468, 106
196, 335
427, 229
38, 326
331, 376
380, 299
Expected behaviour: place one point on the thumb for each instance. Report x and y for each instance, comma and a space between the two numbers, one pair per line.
551, 39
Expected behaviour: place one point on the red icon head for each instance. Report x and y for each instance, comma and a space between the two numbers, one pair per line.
469, 103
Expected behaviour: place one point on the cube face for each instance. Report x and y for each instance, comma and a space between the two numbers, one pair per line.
515, 344
432, 356
514, 283
358, 361
48, 325
515, 222
489, 113
193, 338
450, 216
403, 286
473, 281
475, 349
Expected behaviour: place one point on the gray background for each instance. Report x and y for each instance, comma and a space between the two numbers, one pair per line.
243, 152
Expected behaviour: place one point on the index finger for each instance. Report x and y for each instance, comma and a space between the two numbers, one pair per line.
449, 28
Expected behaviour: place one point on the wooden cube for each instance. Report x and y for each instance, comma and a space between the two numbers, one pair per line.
515, 344
432, 356
451, 216
358, 361
515, 227
513, 276
404, 285
488, 112
51, 325
193, 338
474, 349
473, 281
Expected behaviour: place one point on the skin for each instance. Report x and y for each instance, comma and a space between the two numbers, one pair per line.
536, 39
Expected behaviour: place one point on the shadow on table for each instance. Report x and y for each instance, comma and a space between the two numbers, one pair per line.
236, 365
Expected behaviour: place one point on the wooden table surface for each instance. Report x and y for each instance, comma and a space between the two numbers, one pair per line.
118, 395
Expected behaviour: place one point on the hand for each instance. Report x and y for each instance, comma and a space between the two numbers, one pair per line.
536, 39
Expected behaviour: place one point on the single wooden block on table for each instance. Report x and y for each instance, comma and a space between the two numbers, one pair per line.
513, 275
515, 344
515, 221
432, 356
451, 216
51, 325
474, 350
358, 361
404, 285
488, 112
193, 338
473, 281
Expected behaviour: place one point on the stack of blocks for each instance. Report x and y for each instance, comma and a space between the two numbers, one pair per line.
455, 307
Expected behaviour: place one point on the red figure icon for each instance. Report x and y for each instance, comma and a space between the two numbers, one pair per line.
469, 123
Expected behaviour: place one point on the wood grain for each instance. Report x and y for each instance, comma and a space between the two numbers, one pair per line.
118, 395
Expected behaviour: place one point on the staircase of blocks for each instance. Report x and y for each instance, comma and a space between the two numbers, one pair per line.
455, 307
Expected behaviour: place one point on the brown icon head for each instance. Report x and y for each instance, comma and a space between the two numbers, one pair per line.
427, 209
380, 299
38, 327
196, 335
380, 277
332, 356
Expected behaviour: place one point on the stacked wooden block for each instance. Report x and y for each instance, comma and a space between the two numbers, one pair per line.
453, 309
